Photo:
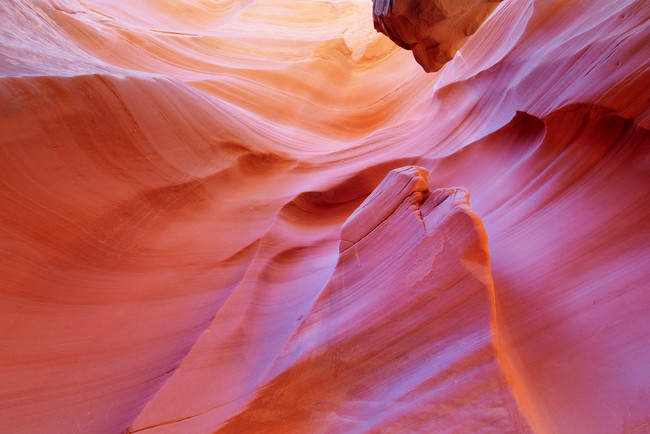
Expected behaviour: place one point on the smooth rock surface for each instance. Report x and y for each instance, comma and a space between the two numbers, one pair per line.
423, 272
175, 181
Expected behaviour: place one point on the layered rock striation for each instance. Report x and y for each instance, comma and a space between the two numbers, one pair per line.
241, 216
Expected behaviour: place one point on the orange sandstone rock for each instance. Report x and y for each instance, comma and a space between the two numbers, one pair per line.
176, 179
433, 29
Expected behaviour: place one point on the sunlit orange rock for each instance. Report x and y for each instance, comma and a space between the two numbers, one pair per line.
243, 216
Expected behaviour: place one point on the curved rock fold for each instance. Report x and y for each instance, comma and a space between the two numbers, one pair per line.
238, 216
420, 268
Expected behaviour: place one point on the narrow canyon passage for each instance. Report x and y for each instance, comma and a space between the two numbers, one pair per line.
266, 216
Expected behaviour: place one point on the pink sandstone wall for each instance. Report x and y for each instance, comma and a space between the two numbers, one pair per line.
264, 216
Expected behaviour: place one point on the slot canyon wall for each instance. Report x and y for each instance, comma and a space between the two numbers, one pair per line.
265, 216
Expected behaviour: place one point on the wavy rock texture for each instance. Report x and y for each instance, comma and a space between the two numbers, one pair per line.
432, 289
189, 241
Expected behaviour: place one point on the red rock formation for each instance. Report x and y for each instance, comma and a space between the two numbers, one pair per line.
176, 179
419, 268
434, 29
